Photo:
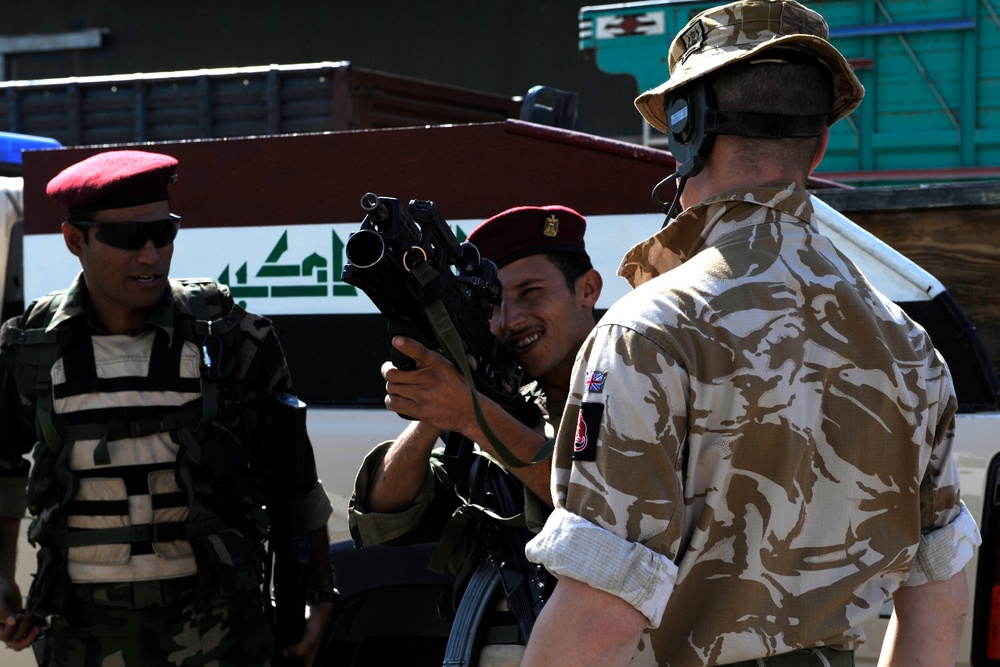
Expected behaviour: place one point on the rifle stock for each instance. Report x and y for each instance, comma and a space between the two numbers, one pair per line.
288, 541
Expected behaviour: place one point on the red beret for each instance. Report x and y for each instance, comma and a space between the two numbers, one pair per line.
115, 179
530, 230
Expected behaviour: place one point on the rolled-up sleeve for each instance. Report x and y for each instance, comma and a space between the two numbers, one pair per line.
573, 547
317, 508
370, 528
949, 534
944, 552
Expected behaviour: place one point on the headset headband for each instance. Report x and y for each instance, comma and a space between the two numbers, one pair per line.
693, 122
763, 125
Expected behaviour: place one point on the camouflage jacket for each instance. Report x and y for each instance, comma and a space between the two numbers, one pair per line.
758, 438
237, 464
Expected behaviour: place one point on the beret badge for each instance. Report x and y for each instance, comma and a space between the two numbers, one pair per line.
551, 228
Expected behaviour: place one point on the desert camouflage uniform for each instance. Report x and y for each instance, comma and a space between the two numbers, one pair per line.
153, 602
424, 519
769, 442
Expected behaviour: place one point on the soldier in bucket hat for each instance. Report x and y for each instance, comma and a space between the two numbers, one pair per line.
768, 456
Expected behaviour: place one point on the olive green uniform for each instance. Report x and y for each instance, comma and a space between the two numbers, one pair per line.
150, 477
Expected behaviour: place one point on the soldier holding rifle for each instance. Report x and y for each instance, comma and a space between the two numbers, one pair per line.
547, 309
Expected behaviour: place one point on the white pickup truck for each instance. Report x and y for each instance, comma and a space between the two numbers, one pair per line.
269, 216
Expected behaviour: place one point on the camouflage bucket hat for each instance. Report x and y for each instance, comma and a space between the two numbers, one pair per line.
739, 31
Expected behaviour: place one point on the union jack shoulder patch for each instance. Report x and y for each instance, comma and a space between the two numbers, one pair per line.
595, 381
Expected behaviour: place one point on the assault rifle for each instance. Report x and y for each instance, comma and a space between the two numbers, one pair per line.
288, 544
408, 261
441, 292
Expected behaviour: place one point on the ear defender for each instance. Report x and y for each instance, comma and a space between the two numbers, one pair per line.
688, 141
694, 120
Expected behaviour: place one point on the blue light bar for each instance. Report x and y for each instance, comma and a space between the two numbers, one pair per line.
11, 145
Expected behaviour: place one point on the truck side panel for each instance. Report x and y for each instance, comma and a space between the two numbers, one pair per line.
237, 102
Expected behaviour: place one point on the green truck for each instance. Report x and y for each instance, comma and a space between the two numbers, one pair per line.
929, 67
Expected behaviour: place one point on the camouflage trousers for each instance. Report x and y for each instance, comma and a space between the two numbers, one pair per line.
807, 657
117, 632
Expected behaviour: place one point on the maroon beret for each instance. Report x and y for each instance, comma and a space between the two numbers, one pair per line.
115, 179
530, 230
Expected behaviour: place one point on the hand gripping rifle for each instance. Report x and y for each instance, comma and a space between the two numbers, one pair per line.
412, 267
442, 293
288, 544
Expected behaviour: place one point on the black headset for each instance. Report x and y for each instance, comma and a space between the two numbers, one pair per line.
693, 121
687, 137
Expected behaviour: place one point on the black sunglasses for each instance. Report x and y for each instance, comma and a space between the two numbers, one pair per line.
133, 235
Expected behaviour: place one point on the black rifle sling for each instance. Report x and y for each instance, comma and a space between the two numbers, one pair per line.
444, 329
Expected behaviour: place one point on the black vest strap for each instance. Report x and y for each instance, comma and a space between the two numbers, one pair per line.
155, 532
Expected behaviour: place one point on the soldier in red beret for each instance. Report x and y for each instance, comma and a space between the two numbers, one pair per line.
550, 289
149, 398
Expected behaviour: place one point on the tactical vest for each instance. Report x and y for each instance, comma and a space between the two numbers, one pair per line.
167, 418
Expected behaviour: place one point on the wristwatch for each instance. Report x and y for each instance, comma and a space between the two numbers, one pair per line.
332, 596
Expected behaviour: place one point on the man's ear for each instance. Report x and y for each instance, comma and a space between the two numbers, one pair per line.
73, 236
588, 286
824, 140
